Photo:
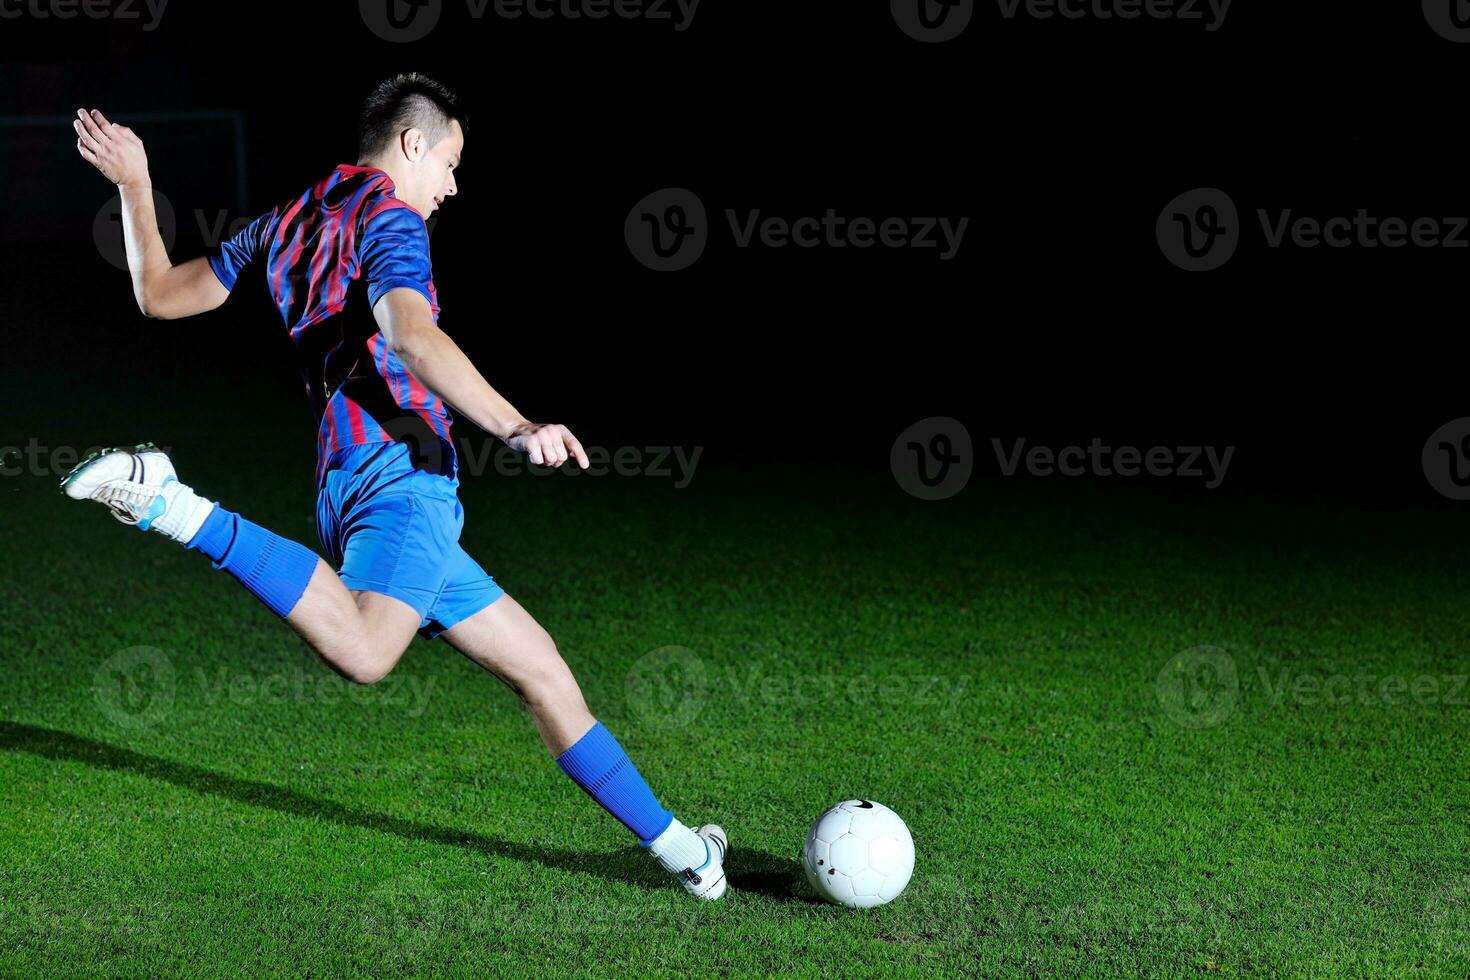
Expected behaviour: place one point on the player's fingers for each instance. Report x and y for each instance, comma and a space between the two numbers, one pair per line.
533, 450
86, 153
577, 450
90, 124
551, 450
84, 138
102, 120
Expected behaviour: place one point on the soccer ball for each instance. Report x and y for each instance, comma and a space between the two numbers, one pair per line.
859, 854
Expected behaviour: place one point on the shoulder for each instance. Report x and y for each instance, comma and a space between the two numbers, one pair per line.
390, 214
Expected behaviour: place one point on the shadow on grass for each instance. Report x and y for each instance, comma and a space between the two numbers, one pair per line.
774, 877
51, 744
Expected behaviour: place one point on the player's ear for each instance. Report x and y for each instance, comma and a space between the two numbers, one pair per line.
412, 141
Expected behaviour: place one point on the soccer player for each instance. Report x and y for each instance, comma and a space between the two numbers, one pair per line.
346, 264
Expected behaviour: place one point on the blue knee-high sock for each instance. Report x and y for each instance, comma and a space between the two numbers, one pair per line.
598, 764
275, 570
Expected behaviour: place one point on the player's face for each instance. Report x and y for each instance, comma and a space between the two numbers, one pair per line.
437, 171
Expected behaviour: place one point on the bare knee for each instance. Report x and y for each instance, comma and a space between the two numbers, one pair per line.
548, 683
367, 673
364, 660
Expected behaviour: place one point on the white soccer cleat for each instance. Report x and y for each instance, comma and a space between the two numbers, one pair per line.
695, 857
708, 880
140, 488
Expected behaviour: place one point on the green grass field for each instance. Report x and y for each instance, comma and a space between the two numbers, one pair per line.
1133, 732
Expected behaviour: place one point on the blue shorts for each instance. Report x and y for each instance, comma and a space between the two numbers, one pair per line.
394, 529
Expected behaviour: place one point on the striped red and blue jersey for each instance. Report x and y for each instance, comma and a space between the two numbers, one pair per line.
328, 255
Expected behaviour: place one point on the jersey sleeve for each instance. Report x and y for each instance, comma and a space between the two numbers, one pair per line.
230, 258
395, 255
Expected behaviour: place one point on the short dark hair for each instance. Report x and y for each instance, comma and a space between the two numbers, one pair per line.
407, 101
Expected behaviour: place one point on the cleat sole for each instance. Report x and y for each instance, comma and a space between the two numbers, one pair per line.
93, 457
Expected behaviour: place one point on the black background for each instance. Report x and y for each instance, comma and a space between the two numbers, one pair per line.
1061, 141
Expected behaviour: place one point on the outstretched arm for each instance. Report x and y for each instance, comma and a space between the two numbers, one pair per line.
163, 290
408, 325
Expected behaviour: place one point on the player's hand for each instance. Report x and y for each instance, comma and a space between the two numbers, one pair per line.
546, 444
114, 150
